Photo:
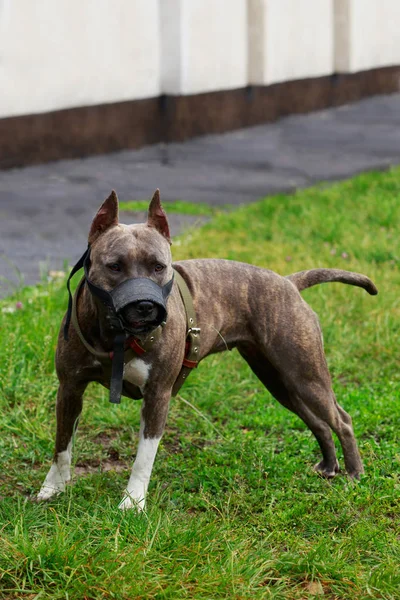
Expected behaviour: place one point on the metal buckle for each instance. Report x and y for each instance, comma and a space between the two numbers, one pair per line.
194, 330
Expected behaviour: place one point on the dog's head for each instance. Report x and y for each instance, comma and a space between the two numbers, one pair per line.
132, 263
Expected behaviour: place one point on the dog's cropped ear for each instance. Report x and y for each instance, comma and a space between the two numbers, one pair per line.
107, 215
157, 218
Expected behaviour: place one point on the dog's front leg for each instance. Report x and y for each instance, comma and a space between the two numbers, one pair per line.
152, 422
69, 407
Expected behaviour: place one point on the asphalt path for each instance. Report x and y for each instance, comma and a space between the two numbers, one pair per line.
46, 210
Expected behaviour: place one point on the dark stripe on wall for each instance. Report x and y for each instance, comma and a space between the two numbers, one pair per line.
83, 131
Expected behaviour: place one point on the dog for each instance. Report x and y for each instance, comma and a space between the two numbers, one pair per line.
236, 305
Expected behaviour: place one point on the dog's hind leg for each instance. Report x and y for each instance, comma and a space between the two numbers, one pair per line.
152, 423
306, 376
328, 467
69, 407
320, 400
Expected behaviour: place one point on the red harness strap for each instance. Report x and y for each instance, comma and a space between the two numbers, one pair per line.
137, 348
192, 364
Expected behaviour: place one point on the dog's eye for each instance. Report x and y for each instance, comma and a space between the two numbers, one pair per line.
158, 268
114, 267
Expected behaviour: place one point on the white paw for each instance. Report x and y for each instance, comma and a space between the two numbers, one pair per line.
129, 502
54, 483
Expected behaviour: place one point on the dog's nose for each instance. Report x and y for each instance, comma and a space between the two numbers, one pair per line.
144, 307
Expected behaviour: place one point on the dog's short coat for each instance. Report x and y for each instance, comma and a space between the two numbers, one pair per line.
237, 305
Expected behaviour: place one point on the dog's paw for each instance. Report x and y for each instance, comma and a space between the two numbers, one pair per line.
326, 470
128, 502
355, 475
54, 483
47, 492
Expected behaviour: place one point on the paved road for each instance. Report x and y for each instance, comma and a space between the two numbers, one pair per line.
45, 211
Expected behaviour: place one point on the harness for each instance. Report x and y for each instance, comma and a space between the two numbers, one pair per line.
137, 348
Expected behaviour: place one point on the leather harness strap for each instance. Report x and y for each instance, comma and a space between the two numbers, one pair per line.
191, 359
192, 340
75, 323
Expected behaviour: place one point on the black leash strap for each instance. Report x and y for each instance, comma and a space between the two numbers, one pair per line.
117, 371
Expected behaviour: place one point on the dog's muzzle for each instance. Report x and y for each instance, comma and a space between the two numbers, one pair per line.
141, 295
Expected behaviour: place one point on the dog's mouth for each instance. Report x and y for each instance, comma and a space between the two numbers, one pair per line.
142, 326
141, 317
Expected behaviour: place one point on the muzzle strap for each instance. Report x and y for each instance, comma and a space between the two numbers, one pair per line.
75, 269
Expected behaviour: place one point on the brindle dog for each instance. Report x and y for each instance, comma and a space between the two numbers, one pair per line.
238, 305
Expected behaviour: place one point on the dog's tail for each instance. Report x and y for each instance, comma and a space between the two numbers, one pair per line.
306, 279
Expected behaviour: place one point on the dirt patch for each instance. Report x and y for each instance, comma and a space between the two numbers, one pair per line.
111, 463
105, 439
100, 466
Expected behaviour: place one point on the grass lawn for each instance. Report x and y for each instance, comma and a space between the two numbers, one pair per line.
178, 206
234, 508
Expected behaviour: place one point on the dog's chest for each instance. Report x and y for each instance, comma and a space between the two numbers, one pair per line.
136, 372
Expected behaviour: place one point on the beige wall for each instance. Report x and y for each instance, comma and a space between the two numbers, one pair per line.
290, 39
58, 54
367, 34
204, 45
63, 53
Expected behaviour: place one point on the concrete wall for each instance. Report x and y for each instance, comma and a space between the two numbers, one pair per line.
367, 34
204, 45
63, 53
58, 54
290, 39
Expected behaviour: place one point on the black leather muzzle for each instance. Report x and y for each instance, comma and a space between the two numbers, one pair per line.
131, 293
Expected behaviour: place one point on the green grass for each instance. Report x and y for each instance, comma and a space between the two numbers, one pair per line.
178, 206
234, 509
